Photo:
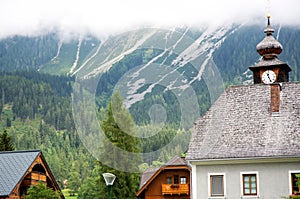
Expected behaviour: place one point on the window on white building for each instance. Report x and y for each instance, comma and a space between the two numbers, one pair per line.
295, 182
249, 184
217, 185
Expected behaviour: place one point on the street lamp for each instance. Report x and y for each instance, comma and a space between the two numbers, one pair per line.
109, 181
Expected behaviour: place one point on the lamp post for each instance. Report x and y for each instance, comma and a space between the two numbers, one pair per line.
109, 181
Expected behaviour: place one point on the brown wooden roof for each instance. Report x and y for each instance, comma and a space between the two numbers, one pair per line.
149, 175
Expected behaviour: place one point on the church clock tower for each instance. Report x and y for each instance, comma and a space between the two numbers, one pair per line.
270, 69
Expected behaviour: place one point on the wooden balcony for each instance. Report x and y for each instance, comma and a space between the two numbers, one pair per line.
175, 189
38, 177
34, 179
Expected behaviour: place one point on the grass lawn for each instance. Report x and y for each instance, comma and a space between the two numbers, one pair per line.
66, 193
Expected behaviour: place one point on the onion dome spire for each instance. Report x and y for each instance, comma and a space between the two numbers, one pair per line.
269, 47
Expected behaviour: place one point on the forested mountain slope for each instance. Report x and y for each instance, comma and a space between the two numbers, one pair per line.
52, 54
151, 68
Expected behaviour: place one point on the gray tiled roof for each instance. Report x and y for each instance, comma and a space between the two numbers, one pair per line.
13, 166
239, 125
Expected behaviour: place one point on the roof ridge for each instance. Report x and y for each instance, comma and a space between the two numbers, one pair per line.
253, 85
21, 151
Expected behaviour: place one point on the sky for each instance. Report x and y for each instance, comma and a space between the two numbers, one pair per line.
105, 17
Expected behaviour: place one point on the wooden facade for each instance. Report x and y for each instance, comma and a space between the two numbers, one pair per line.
37, 172
169, 181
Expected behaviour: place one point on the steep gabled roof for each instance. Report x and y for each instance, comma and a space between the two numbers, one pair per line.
240, 125
149, 175
13, 166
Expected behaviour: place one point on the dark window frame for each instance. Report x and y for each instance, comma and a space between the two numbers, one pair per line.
168, 180
176, 179
295, 188
251, 193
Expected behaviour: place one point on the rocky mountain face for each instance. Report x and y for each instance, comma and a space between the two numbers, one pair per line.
230, 45
144, 61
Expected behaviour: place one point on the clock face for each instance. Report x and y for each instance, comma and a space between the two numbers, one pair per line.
268, 77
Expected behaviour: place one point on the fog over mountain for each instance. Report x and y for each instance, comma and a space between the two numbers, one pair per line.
101, 18
61, 60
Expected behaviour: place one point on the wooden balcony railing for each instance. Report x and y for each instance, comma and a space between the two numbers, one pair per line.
38, 177
34, 179
178, 189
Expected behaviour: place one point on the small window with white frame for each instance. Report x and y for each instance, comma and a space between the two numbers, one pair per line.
182, 180
249, 183
217, 185
295, 182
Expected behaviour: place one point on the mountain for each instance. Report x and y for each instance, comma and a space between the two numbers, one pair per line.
230, 46
152, 65
167, 77
46, 53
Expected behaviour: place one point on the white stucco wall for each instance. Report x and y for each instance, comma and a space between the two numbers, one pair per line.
273, 179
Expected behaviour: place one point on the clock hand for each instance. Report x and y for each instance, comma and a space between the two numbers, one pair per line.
269, 76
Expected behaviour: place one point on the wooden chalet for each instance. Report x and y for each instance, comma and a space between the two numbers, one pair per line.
21, 169
172, 180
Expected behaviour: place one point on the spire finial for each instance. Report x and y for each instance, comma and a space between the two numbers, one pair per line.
269, 30
268, 16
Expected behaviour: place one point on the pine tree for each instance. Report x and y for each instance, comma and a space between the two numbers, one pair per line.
8, 122
1, 108
119, 128
6, 142
93, 187
74, 181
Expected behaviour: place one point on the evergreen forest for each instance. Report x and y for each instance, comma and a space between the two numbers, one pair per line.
37, 105
36, 113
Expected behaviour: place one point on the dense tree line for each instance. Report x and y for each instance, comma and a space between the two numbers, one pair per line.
33, 95
32, 105
36, 114
6, 143
26, 53
126, 183
288, 37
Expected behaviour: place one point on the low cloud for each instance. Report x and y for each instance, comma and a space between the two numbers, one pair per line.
101, 17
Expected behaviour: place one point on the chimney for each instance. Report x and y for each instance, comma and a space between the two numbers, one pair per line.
275, 98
